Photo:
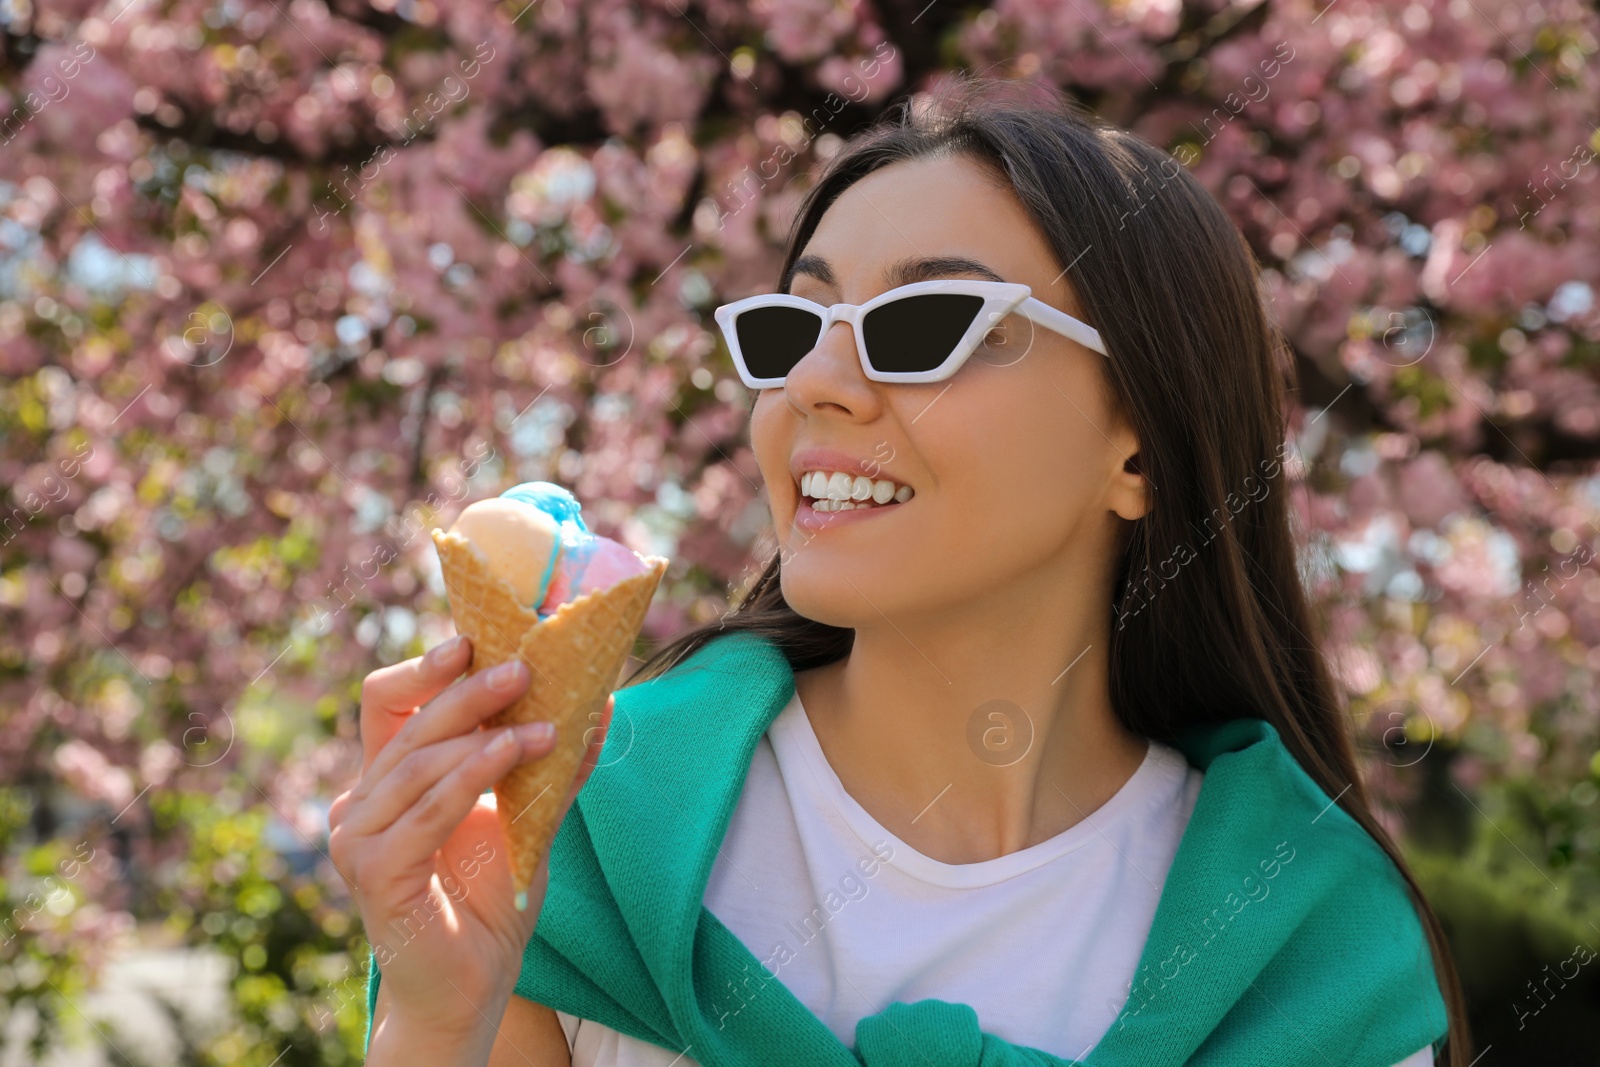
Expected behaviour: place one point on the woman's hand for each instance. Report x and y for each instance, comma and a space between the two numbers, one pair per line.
422, 852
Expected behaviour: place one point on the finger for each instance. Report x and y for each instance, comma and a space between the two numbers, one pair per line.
428, 823
390, 694
458, 710
338, 809
421, 769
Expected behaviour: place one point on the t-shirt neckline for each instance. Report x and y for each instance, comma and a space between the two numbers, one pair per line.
795, 742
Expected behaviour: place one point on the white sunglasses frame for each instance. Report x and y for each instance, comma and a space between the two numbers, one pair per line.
999, 300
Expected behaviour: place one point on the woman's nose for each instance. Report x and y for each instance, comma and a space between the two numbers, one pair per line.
830, 376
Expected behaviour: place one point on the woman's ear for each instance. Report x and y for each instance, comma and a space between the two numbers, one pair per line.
1132, 494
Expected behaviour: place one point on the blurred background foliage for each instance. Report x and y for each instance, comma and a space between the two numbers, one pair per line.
283, 285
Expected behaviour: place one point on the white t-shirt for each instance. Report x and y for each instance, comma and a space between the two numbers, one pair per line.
850, 918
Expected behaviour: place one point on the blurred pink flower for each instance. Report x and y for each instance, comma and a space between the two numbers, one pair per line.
88, 771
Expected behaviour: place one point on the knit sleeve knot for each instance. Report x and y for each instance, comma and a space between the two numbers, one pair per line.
937, 1033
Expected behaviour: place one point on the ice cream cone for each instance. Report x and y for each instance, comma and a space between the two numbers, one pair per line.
575, 657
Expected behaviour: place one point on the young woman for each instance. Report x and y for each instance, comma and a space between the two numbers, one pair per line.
974, 764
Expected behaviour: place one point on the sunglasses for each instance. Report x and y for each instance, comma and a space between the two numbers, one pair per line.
921, 332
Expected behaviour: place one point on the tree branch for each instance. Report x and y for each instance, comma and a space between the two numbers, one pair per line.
199, 131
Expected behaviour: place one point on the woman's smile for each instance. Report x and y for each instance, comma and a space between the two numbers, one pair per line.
834, 487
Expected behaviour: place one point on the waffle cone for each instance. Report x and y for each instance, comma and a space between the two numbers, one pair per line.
575, 657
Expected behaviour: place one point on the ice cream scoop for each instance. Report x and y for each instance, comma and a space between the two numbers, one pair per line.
586, 564
533, 535
519, 542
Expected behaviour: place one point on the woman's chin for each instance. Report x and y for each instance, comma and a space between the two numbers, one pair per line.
826, 594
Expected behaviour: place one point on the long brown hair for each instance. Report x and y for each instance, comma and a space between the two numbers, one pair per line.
1167, 278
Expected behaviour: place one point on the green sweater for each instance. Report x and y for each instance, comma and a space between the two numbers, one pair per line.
1284, 935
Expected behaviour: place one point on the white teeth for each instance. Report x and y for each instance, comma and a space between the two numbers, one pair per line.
841, 491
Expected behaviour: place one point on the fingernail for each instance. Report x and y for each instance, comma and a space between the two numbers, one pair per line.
506, 676
537, 733
442, 653
507, 739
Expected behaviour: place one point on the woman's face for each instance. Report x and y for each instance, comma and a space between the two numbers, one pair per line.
1015, 462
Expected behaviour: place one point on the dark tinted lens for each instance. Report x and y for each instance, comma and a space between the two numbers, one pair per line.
774, 339
916, 333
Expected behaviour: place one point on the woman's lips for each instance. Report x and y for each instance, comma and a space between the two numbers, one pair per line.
808, 518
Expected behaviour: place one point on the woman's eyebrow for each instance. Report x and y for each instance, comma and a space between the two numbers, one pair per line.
815, 266
904, 272
924, 268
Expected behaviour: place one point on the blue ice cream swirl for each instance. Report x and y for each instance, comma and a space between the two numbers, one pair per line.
572, 534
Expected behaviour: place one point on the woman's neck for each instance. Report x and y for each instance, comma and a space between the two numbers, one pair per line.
970, 748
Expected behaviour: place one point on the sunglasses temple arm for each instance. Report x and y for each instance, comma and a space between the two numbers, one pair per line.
1062, 323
